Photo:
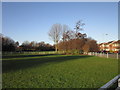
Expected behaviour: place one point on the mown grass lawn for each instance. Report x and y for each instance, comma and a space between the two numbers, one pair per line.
57, 71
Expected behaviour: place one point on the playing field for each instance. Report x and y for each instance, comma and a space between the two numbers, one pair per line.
57, 71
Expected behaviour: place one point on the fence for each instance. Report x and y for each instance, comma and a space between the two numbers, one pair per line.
42, 52
110, 83
106, 55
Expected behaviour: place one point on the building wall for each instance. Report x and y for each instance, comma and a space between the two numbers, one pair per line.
113, 46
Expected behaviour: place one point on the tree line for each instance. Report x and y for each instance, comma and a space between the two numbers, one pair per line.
9, 45
68, 40
34, 46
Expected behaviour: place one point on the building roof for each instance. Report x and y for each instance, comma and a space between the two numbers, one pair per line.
109, 43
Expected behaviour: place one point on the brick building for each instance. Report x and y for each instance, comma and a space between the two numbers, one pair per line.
112, 46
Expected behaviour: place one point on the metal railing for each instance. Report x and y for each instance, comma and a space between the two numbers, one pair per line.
110, 83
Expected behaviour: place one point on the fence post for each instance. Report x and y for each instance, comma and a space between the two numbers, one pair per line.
107, 55
117, 55
102, 54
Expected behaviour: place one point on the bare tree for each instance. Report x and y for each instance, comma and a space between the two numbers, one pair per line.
55, 33
26, 43
79, 27
67, 33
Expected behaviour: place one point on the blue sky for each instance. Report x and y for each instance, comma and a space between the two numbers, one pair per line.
32, 20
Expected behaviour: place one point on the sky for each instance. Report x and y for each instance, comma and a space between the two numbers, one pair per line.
32, 21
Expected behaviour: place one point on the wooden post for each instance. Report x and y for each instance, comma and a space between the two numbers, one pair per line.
117, 55
107, 55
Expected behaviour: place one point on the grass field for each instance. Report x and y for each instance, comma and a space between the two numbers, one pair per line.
57, 71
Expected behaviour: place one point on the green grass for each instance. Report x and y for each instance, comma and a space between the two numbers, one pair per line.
57, 71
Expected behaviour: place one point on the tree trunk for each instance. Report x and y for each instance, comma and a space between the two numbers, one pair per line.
56, 47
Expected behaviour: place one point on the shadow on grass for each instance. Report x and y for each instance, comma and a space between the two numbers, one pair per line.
13, 65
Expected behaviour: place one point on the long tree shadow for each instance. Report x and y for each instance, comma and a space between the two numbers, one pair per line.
13, 65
